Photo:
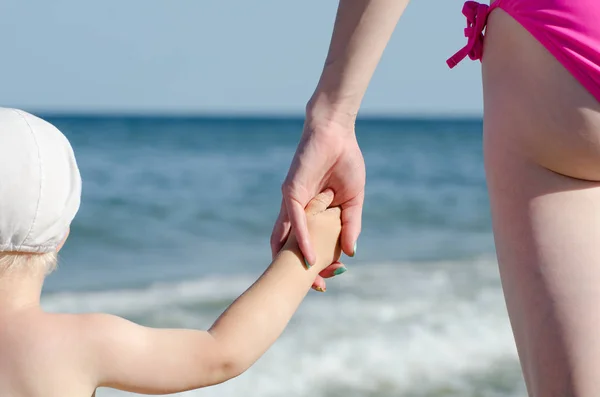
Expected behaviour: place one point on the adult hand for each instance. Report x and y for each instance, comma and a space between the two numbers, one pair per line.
328, 156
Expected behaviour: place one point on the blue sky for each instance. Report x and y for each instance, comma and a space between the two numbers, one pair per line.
236, 56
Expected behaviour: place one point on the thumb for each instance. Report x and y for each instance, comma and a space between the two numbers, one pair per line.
351, 224
320, 202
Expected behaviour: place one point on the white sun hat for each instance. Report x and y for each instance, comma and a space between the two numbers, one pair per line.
40, 184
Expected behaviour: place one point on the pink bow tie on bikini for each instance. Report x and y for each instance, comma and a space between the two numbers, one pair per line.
476, 20
568, 29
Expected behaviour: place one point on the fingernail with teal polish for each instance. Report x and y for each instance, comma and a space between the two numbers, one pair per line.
354, 249
339, 270
306, 263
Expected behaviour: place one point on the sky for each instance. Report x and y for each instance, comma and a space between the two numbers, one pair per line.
220, 56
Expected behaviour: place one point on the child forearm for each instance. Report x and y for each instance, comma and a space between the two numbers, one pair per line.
147, 360
256, 319
162, 361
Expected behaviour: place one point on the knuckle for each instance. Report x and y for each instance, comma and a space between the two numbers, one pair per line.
288, 187
321, 201
334, 211
294, 190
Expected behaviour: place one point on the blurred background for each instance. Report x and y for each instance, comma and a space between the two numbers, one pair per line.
184, 117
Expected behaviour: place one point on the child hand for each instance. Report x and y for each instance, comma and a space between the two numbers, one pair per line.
324, 226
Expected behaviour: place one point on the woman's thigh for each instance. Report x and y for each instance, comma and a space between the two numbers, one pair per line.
542, 159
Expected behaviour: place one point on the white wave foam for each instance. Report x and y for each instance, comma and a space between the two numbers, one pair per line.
155, 297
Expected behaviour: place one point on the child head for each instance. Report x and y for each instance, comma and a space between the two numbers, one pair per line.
40, 190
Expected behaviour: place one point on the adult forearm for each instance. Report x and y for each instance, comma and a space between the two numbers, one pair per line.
361, 32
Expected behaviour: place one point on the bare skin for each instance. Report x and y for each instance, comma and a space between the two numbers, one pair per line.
542, 160
67, 355
328, 155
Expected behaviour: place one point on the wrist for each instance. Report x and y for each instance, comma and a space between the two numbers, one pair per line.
325, 109
291, 248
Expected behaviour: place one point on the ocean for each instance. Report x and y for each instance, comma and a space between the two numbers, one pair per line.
175, 222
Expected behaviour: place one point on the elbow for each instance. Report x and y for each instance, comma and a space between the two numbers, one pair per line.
229, 360
227, 367
231, 367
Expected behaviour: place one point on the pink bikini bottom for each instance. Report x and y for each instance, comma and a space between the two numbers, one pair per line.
569, 29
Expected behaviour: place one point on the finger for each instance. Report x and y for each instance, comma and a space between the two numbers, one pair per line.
335, 269
281, 230
351, 224
297, 216
319, 284
320, 202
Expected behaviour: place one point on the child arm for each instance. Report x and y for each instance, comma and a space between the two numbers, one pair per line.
131, 357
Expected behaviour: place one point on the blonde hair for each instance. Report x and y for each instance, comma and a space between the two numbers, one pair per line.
28, 262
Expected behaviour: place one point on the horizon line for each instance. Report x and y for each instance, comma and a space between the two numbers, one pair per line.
367, 116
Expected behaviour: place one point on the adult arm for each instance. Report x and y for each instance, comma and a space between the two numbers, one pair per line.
328, 155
